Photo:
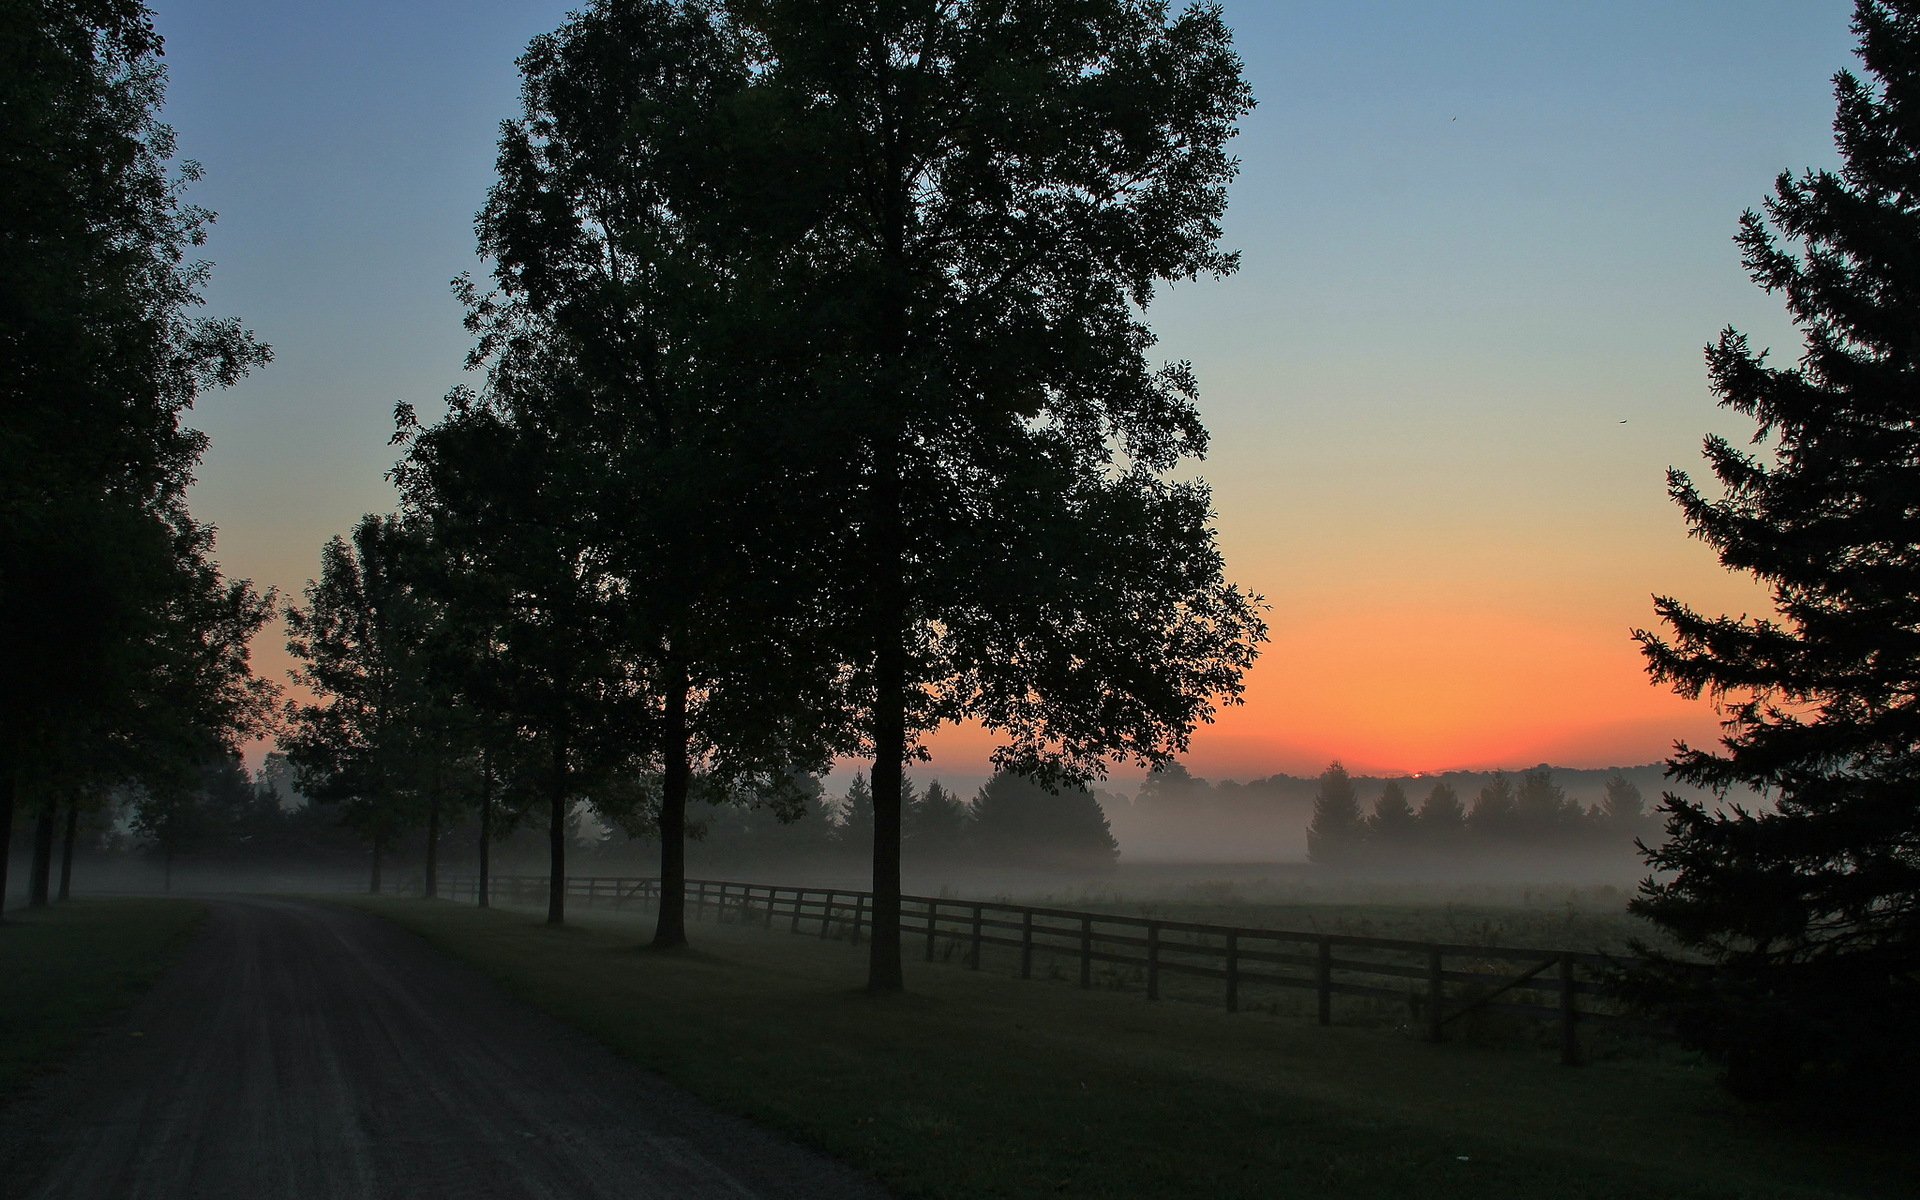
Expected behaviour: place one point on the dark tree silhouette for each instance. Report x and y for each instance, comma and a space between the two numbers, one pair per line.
1494, 817
100, 563
853, 823
1622, 810
1339, 828
1442, 819
1017, 822
616, 267
499, 482
358, 641
1543, 813
936, 825
1392, 825
1810, 907
972, 204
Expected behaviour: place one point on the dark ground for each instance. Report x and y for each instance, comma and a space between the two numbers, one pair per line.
303, 1051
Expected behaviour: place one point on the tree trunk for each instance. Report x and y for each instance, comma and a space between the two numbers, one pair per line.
433, 843
486, 829
889, 722
557, 837
66, 849
42, 873
373, 885
671, 928
7, 785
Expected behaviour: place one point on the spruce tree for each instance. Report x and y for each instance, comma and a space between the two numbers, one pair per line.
1392, 822
1808, 904
1338, 829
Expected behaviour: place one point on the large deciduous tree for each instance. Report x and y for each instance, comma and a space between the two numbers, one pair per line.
109, 601
618, 271
358, 641
972, 204
1809, 905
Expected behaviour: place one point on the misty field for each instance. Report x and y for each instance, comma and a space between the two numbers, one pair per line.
64, 971
979, 1084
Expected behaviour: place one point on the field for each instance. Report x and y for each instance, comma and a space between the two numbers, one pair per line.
66, 970
978, 1084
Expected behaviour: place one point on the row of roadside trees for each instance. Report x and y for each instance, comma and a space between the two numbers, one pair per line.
817, 413
122, 646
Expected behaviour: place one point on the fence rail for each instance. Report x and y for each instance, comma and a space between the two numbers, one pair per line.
1440, 982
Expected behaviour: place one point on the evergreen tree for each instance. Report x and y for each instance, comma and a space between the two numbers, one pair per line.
1809, 906
1017, 822
1494, 817
853, 823
936, 824
1622, 810
1442, 818
1542, 810
1338, 831
1391, 825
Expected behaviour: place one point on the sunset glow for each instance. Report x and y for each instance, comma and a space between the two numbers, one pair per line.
1461, 351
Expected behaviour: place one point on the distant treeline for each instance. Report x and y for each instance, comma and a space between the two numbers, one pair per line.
1010, 822
1178, 817
1532, 817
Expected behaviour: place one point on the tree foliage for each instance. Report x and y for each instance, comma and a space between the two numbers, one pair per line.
1809, 907
1339, 827
109, 598
972, 204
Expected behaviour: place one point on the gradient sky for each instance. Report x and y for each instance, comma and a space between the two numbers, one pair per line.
1483, 246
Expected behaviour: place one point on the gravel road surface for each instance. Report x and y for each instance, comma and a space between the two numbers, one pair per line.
299, 1051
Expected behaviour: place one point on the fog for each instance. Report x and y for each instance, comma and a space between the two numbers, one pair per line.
1173, 835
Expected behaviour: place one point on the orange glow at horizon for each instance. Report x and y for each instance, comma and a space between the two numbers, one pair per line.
1399, 689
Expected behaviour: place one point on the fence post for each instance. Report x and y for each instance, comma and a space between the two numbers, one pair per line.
1086, 952
798, 894
1436, 1020
933, 920
859, 916
1569, 1013
973, 955
1233, 972
826, 914
1323, 979
1153, 960
1026, 944
772, 894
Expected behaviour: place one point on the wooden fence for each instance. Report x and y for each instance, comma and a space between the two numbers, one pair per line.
1439, 982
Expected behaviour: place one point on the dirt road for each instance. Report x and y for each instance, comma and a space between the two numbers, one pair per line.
304, 1051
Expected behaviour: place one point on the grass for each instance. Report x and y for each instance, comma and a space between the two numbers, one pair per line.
67, 970
976, 1084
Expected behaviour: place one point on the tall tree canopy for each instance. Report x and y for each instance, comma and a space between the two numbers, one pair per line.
109, 600
1810, 906
623, 352
972, 205
359, 642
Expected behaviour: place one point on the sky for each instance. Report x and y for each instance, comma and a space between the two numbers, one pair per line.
1483, 245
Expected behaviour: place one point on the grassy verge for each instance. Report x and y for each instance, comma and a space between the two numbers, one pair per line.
66, 970
977, 1084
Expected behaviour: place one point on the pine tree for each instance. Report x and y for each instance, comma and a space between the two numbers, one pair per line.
1392, 821
1338, 830
1495, 817
1809, 905
1622, 808
1442, 817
